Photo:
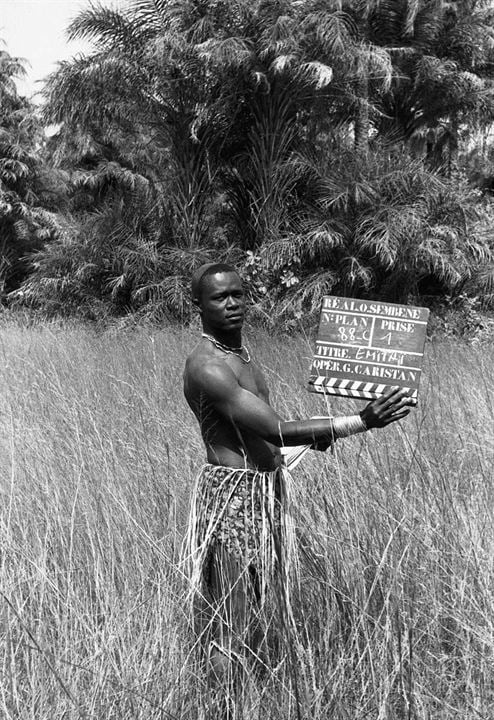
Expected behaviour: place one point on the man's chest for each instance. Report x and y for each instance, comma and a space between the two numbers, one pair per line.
250, 378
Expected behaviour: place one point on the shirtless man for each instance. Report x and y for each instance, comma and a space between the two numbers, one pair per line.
243, 435
229, 396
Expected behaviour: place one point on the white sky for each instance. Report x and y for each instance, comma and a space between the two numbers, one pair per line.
35, 30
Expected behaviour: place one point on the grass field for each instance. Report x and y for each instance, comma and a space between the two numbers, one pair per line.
98, 454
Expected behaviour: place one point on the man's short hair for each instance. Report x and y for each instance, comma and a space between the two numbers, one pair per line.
204, 271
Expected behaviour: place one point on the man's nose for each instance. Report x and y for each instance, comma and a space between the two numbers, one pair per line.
232, 301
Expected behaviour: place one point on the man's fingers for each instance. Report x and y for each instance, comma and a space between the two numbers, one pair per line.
400, 402
393, 405
397, 416
388, 395
395, 399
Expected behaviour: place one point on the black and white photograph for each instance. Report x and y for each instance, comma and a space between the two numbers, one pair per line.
246, 360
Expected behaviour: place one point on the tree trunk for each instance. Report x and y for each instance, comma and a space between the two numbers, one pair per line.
362, 121
453, 147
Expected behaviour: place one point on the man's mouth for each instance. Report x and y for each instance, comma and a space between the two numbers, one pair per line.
235, 316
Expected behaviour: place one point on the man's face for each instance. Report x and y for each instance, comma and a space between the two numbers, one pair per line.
222, 301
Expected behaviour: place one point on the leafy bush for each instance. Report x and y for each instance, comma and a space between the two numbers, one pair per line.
384, 227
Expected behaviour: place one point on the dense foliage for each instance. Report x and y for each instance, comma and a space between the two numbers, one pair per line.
29, 192
320, 145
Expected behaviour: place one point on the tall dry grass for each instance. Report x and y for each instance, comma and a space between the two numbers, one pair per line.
98, 455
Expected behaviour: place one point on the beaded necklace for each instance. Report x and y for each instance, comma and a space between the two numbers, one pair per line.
230, 350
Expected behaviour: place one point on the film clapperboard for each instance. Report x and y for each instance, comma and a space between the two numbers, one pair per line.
365, 347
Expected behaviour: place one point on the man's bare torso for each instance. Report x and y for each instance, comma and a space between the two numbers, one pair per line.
227, 444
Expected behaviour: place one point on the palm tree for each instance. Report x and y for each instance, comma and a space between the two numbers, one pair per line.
130, 114
241, 127
24, 220
214, 87
442, 73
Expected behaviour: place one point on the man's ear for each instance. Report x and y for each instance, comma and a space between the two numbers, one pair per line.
197, 305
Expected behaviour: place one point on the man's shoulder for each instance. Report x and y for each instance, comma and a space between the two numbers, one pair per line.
202, 369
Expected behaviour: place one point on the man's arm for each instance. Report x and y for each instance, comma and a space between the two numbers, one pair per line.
243, 408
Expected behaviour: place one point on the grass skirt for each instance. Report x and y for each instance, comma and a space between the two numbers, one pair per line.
242, 565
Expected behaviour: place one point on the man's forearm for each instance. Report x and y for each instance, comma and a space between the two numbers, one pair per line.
314, 430
259, 418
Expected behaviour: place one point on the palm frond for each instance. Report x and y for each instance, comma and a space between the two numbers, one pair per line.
307, 295
483, 284
74, 93
10, 68
335, 30
113, 174
318, 73
315, 247
282, 63
233, 52
278, 37
108, 29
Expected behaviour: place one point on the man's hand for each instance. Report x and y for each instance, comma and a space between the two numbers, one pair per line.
393, 405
